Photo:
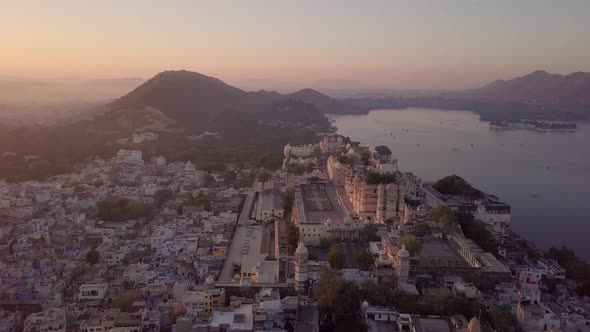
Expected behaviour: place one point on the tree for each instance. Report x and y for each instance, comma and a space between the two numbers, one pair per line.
503, 320
208, 180
229, 177
343, 159
457, 306
335, 295
126, 299
575, 268
92, 257
288, 198
270, 161
366, 158
383, 150
365, 260
202, 201
263, 176
420, 229
325, 243
380, 178
246, 179
376, 294
412, 244
336, 256
456, 185
161, 196
123, 209
369, 233
477, 231
445, 217
292, 235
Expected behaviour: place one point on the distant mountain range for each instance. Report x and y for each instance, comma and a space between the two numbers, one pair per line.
195, 100
538, 87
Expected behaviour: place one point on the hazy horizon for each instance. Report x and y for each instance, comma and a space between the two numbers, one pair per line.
385, 44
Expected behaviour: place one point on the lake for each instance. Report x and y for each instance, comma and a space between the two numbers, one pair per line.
544, 176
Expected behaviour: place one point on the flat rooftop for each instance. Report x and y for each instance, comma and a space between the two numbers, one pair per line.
423, 324
247, 211
489, 201
248, 241
437, 248
238, 319
320, 202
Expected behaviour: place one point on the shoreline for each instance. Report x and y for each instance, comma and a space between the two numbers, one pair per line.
531, 244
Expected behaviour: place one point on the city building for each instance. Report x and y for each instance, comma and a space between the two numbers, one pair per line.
488, 209
53, 320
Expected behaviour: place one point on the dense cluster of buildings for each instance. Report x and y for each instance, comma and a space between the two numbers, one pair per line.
201, 255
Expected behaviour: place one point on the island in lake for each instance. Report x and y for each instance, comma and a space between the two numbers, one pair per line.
532, 125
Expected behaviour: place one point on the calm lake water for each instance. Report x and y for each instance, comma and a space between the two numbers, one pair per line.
545, 177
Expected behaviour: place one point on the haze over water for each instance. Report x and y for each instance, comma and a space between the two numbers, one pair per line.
514, 165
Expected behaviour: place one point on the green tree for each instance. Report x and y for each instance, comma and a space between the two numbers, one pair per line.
445, 217
246, 179
208, 180
420, 229
336, 256
412, 244
369, 233
292, 236
263, 176
366, 159
365, 260
380, 178
375, 293
123, 209
162, 196
92, 257
383, 150
575, 268
229, 177
203, 201
288, 198
456, 306
503, 320
325, 243
477, 231
335, 295
343, 159
456, 185
126, 299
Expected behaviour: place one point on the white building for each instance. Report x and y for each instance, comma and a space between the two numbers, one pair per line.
302, 151
139, 138
233, 319
92, 291
488, 209
129, 156
113, 258
53, 320
335, 171
160, 161
301, 261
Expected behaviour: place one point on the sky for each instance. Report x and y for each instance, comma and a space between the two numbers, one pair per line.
439, 44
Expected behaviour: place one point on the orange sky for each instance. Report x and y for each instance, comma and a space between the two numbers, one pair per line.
393, 44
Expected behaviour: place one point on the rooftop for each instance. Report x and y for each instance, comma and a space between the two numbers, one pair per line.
247, 242
240, 318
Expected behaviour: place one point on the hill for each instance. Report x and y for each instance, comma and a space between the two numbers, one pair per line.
538, 87
199, 102
310, 96
253, 127
538, 95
